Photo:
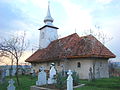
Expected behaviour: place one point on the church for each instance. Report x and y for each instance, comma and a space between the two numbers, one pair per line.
80, 54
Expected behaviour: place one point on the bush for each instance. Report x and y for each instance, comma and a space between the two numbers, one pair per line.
61, 81
76, 79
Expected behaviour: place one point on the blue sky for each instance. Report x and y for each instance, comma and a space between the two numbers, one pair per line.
69, 16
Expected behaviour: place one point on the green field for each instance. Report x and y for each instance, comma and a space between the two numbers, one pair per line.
100, 84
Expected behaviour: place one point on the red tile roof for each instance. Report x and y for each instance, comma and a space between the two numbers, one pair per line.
72, 46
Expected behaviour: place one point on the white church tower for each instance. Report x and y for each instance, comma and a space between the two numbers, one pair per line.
48, 32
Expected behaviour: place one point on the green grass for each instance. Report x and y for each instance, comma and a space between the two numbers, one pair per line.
25, 83
100, 84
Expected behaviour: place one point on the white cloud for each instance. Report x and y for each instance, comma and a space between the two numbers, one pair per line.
104, 1
77, 18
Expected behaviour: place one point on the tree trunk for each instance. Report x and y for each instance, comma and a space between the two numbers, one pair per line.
18, 82
11, 68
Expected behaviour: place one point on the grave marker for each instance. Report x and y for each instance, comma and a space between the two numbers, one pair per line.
69, 81
52, 75
42, 80
11, 86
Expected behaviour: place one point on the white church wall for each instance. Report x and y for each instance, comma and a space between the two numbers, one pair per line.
47, 35
47, 65
101, 69
83, 70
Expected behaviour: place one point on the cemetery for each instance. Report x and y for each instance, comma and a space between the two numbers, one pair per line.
56, 81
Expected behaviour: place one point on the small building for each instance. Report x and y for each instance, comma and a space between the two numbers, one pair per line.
71, 52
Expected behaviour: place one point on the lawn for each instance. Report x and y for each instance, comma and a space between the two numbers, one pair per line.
25, 83
100, 84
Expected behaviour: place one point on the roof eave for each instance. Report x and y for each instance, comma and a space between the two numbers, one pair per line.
48, 26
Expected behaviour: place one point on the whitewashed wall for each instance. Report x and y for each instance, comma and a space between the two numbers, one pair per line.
83, 70
47, 35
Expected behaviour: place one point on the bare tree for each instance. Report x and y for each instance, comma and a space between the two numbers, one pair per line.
13, 48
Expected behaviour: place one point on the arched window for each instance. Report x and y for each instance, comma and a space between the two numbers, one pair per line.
78, 64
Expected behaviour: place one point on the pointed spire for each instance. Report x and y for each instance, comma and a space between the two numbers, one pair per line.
48, 19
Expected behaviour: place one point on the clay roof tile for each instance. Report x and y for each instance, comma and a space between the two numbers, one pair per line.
72, 46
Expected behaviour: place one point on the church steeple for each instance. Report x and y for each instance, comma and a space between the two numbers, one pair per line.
48, 32
48, 19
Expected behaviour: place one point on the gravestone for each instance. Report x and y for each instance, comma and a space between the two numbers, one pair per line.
90, 74
63, 70
7, 72
3, 74
42, 77
0, 75
31, 71
69, 81
13, 72
52, 75
33, 74
11, 86
98, 73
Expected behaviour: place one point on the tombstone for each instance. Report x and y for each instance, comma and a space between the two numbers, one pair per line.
7, 72
52, 75
42, 77
3, 74
31, 71
98, 73
69, 81
63, 70
33, 74
90, 74
13, 72
11, 86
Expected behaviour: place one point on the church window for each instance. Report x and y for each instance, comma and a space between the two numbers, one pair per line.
78, 64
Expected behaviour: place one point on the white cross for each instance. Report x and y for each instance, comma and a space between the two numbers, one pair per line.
11, 82
69, 72
42, 68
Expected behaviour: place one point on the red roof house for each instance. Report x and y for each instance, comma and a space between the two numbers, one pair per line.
72, 46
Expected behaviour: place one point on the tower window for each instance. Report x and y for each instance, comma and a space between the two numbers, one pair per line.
78, 64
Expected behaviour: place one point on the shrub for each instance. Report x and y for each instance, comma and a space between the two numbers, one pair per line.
76, 79
61, 81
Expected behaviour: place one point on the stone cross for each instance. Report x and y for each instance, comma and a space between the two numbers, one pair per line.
90, 74
63, 70
42, 77
42, 68
69, 81
11, 86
